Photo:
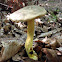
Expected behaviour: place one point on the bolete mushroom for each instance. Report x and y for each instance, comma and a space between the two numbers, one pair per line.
28, 13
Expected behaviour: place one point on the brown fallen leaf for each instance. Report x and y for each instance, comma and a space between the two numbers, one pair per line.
53, 43
40, 43
52, 55
9, 49
16, 58
48, 43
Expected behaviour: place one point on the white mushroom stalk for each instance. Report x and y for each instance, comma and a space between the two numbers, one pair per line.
29, 14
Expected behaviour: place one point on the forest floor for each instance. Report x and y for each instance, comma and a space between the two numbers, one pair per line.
47, 40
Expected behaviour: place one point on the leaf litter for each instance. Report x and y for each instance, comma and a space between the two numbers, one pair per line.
47, 38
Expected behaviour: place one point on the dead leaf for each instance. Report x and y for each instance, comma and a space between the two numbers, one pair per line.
51, 55
9, 49
16, 58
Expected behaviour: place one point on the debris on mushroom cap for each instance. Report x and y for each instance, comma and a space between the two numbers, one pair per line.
27, 13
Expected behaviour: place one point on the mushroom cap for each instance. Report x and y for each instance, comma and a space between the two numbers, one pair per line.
27, 13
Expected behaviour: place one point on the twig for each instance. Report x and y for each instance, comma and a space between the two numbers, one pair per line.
1, 4
50, 32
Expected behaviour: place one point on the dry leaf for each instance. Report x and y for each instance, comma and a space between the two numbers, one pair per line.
9, 49
16, 58
52, 55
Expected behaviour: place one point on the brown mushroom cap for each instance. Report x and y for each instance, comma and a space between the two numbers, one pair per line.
27, 13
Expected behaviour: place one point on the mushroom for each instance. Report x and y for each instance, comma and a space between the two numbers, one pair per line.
28, 13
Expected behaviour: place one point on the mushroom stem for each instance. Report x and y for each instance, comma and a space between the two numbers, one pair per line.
29, 41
